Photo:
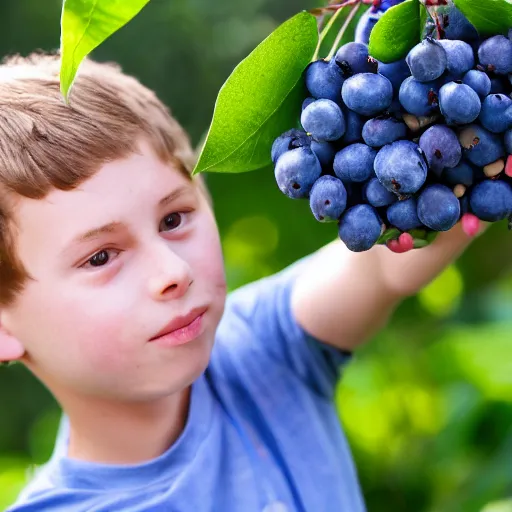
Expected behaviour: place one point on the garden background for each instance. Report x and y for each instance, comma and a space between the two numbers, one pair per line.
427, 405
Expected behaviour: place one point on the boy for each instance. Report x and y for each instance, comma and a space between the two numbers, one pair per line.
112, 293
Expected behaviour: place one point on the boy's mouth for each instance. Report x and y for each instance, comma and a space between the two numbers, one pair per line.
182, 329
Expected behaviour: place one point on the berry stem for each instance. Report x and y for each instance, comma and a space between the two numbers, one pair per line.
432, 7
325, 31
342, 31
333, 6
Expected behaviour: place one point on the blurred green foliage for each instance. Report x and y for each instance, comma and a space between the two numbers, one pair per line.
427, 405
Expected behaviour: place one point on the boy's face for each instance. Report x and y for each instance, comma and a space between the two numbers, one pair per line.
113, 263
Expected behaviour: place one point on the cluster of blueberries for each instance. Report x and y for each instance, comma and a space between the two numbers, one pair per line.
414, 144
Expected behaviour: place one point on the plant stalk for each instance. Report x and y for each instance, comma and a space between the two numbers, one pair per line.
342, 31
325, 31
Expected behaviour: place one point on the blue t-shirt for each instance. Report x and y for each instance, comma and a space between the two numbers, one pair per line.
262, 432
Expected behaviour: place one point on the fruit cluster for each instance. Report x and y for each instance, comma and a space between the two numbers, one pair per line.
396, 152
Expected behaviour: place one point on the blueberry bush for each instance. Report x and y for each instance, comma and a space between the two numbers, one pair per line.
416, 109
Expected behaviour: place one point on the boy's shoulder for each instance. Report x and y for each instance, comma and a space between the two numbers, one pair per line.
257, 318
41, 493
253, 303
259, 334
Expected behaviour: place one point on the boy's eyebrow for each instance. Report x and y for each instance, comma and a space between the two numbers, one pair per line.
93, 233
174, 195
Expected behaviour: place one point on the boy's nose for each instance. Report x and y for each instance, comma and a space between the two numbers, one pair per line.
171, 276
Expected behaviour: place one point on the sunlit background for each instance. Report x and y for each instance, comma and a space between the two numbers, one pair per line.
427, 405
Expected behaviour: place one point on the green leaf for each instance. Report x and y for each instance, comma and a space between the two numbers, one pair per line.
489, 17
389, 234
260, 100
419, 243
431, 236
418, 233
396, 32
85, 24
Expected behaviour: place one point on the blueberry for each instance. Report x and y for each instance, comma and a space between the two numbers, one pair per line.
324, 120
401, 167
438, 208
427, 60
462, 174
354, 127
325, 152
396, 72
386, 4
354, 162
458, 26
508, 141
441, 147
377, 195
459, 103
460, 57
495, 54
496, 114
360, 227
491, 200
478, 81
481, 147
365, 25
328, 199
296, 171
367, 93
307, 101
324, 80
379, 131
353, 58
290, 139
403, 215
419, 98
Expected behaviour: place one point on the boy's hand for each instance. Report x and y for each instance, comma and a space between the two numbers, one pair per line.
343, 298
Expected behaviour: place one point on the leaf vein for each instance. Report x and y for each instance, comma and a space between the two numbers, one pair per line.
255, 146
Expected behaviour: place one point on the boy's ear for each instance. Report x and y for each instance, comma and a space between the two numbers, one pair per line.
10, 348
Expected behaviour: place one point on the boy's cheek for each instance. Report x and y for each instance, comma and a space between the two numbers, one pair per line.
71, 347
63, 338
101, 346
209, 257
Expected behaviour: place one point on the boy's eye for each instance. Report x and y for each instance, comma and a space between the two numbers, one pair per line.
99, 259
171, 221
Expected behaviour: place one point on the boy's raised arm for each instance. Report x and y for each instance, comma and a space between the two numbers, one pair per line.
343, 298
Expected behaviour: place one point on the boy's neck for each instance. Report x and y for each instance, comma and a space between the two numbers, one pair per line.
126, 433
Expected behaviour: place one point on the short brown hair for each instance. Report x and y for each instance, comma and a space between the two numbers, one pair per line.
46, 144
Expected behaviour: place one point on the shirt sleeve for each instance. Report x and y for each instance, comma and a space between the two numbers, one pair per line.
260, 327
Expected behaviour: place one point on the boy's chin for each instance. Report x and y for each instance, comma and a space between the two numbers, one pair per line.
149, 385
191, 370
175, 380
183, 374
